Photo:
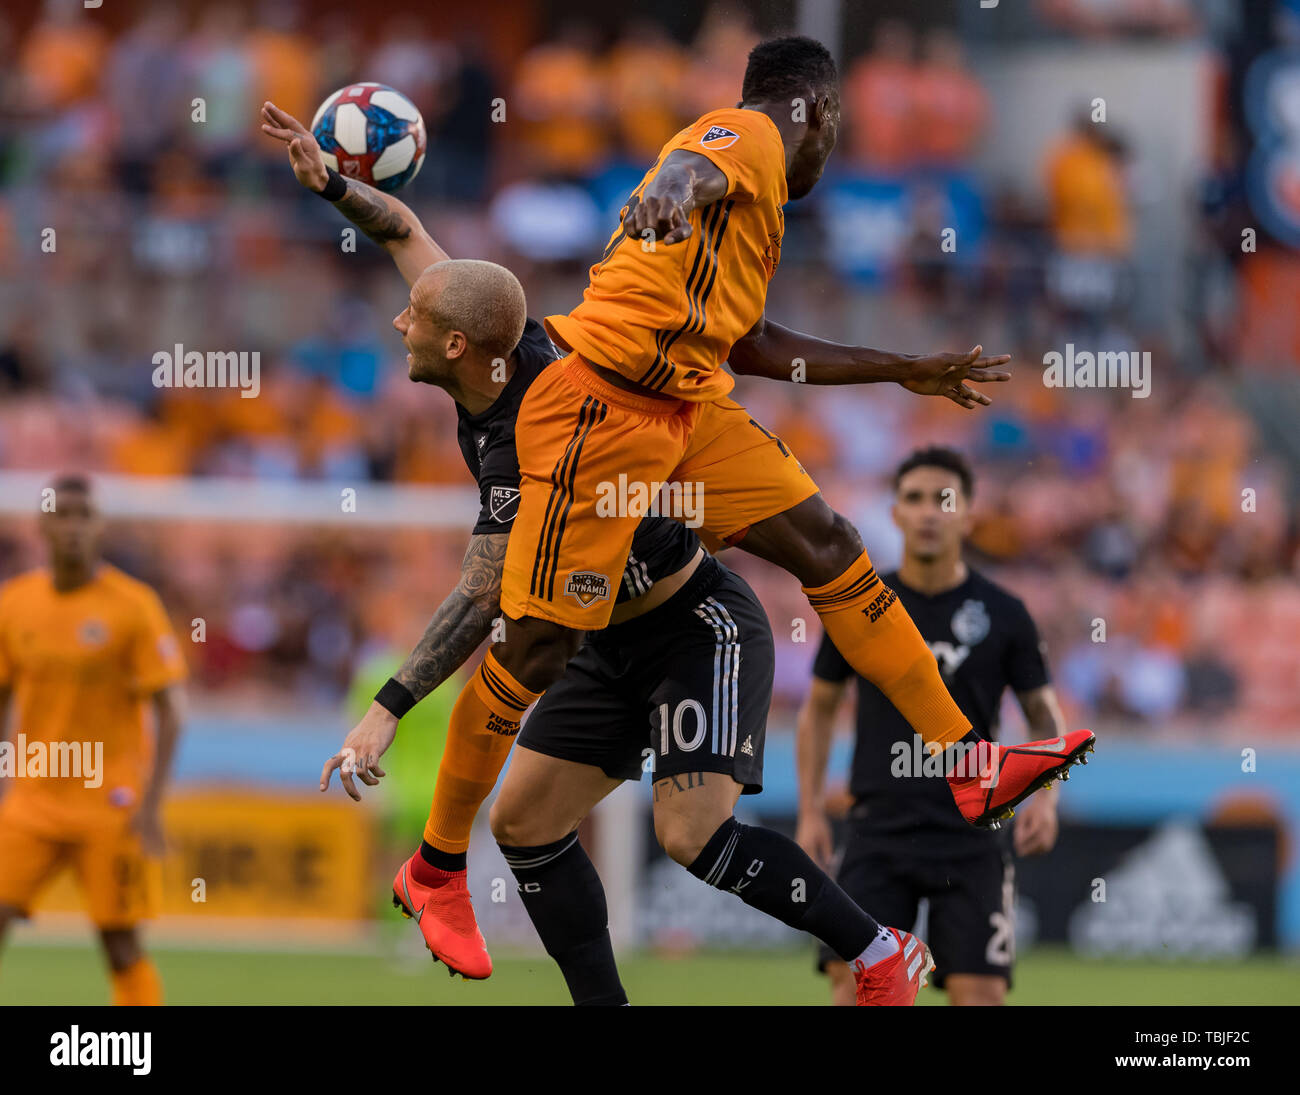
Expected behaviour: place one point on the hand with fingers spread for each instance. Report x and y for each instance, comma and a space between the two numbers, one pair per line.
947, 375
362, 748
304, 153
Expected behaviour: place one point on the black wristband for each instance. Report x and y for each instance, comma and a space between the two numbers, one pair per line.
395, 698
335, 186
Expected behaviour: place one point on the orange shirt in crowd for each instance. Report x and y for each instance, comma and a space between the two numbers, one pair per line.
1088, 207
62, 64
950, 111
560, 95
879, 110
645, 81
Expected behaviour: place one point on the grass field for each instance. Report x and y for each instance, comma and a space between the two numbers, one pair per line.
42, 974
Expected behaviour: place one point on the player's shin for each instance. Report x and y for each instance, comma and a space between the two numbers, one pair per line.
137, 985
484, 723
565, 900
870, 627
773, 874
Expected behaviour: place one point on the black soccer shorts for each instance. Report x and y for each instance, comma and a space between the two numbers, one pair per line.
685, 687
971, 927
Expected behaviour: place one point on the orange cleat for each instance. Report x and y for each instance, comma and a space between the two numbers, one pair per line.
1005, 775
446, 920
893, 982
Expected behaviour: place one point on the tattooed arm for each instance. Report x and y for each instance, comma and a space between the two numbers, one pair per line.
462, 621
387, 221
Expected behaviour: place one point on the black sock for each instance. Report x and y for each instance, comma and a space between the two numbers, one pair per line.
774, 875
566, 903
962, 752
444, 861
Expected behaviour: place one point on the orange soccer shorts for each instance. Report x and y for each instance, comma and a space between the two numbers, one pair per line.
121, 884
591, 455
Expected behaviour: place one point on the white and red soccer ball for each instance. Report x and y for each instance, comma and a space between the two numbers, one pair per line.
372, 133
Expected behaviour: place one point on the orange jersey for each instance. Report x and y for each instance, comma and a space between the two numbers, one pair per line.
668, 318
81, 666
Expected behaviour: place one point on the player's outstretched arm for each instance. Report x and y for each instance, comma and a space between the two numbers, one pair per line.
779, 353
385, 220
461, 623
685, 182
813, 731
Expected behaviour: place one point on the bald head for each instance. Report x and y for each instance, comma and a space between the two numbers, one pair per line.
482, 300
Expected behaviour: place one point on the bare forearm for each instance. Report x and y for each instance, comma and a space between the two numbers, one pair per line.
381, 218
168, 716
462, 621
454, 633
812, 753
779, 353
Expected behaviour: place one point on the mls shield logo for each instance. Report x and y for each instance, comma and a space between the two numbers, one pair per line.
717, 137
587, 587
503, 503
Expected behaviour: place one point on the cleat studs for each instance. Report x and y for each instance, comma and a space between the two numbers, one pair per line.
1065, 775
1083, 759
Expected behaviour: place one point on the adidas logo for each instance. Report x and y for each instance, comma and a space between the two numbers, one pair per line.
748, 747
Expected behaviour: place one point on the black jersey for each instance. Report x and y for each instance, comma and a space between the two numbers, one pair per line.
661, 545
985, 641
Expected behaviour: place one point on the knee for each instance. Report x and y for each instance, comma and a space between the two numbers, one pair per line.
509, 824
684, 838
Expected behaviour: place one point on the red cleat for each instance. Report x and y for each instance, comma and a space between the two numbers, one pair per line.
1003, 776
893, 982
446, 920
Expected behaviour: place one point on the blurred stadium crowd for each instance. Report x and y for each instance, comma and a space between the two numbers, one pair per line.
1091, 505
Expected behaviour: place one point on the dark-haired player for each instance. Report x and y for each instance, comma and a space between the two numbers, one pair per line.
679, 683
906, 839
642, 397
87, 657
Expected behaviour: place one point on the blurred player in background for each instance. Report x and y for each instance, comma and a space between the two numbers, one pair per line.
906, 838
85, 653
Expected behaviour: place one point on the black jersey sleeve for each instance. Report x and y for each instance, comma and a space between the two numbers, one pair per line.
829, 665
498, 488
1025, 660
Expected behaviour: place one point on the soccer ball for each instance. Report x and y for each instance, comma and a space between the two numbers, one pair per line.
372, 133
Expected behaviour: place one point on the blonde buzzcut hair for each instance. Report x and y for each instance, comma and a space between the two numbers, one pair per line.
481, 299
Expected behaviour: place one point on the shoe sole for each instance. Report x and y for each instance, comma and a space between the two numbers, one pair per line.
993, 817
452, 971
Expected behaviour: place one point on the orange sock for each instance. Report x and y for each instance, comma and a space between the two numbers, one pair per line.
484, 723
137, 985
870, 627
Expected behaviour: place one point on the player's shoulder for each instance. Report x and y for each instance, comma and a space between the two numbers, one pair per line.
24, 585
726, 126
997, 596
535, 350
128, 591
